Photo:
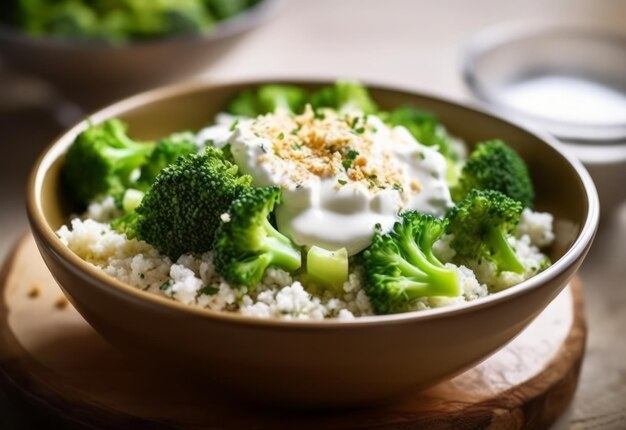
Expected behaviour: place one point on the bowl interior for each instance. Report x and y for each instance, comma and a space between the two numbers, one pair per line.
559, 187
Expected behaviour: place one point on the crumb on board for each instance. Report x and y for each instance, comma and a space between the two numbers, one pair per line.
35, 291
61, 303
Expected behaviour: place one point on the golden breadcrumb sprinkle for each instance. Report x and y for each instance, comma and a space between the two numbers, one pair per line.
327, 144
61, 303
34, 291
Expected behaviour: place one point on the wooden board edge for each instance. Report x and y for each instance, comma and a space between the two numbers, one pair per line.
14, 380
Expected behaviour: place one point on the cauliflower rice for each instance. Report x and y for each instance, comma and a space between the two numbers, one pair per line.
192, 279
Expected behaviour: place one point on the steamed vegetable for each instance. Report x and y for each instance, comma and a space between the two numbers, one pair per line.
268, 99
165, 153
181, 211
400, 266
102, 161
328, 268
246, 243
423, 126
493, 165
345, 96
118, 20
480, 224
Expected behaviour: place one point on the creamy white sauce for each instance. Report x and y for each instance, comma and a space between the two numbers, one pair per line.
566, 98
318, 211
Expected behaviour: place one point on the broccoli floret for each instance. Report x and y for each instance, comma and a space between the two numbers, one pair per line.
117, 20
400, 266
149, 19
480, 224
427, 130
181, 211
266, 99
224, 9
126, 224
345, 96
165, 153
424, 126
493, 165
102, 161
246, 243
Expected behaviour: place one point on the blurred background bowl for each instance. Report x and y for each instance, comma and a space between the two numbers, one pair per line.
314, 363
568, 80
91, 74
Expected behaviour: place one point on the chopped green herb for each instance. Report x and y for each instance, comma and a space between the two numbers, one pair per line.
296, 146
360, 130
281, 136
398, 187
354, 122
142, 275
209, 291
422, 156
165, 285
350, 157
233, 126
342, 181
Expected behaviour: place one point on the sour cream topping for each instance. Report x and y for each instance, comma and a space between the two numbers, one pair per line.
341, 174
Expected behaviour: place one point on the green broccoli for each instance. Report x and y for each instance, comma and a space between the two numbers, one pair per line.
126, 224
400, 266
119, 20
65, 18
495, 166
224, 9
266, 99
480, 224
327, 268
246, 243
150, 19
165, 153
181, 211
103, 160
344, 96
424, 126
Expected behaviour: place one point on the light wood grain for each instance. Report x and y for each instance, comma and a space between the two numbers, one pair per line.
51, 356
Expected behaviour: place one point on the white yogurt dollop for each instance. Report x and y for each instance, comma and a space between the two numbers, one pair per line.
332, 197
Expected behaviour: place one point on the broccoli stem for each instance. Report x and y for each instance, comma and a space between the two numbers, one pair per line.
280, 250
433, 280
255, 266
502, 251
328, 268
412, 289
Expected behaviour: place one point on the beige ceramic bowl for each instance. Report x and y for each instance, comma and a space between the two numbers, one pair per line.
91, 73
327, 363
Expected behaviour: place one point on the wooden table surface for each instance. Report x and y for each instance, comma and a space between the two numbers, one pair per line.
411, 43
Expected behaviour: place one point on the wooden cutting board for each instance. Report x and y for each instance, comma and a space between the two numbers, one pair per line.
50, 357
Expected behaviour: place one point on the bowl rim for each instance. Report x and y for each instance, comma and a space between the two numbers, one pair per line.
247, 19
512, 32
89, 273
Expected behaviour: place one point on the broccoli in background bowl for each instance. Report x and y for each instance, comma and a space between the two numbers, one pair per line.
91, 64
118, 21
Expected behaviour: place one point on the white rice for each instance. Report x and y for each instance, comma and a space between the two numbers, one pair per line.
192, 279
